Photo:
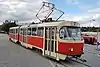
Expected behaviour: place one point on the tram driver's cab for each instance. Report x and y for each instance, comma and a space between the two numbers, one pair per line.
70, 42
70, 33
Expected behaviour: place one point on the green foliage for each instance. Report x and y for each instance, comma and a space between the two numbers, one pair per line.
7, 24
89, 29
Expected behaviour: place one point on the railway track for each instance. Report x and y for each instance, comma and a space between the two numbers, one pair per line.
61, 63
57, 64
65, 64
80, 61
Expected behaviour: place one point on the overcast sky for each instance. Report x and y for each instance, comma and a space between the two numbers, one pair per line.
22, 10
82, 11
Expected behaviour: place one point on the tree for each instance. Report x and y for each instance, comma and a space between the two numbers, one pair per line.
7, 24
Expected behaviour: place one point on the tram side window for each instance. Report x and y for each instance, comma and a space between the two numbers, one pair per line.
63, 33
40, 31
24, 31
16, 30
34, 32
20, 31
55, 33
29, 31
10, 31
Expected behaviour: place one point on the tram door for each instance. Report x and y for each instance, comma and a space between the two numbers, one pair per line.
24, 35
50, 41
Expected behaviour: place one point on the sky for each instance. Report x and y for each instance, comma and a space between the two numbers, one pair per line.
86, 12
82, 11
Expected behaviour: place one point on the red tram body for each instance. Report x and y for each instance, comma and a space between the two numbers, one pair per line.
55, 39
14, 34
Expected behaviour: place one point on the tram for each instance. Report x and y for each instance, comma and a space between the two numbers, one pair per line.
55, 39
14, 34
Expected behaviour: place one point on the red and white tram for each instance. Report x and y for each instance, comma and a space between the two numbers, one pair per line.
14, 34
56, 39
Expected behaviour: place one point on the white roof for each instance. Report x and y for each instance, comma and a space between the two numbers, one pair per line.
61, 23
58, 23
24, 26
14, 27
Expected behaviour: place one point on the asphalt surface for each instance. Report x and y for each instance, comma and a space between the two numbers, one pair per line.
92, 55
14, 55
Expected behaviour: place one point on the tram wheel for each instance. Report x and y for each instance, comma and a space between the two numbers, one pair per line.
10, 40
78, 55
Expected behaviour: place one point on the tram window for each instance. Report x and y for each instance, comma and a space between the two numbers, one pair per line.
46, 32
10, 31
13, 30
49, 45
40, 31
24, 32
20, 31
63, 33
50, 33
45, 44
16, 30
52, 46
29, 31
70, 33
55, 33
34, 32
55, 45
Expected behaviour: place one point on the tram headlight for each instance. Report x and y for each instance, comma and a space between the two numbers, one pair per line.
71, 49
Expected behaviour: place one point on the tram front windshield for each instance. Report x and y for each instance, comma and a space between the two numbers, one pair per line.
70, 33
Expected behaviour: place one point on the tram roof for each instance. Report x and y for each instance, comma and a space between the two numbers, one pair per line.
58, 23
14, 27
24, 26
